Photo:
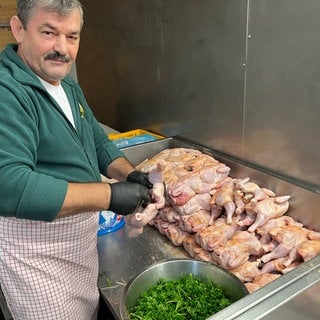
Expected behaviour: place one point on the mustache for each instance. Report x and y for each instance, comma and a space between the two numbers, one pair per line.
57, 56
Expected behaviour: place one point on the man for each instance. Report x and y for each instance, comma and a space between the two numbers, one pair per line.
52, 155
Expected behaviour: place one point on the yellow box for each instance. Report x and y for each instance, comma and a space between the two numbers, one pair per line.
131, 134
133, 137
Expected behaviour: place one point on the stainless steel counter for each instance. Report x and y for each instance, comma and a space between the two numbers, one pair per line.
299, 304
290, 292
107, 129
121, 258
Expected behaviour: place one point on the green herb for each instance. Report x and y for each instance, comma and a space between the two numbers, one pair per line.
108, 282
187, 298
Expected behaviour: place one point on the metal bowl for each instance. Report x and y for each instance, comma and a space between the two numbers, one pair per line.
176, 269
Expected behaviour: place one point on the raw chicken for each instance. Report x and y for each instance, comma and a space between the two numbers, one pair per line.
279, 265
245, 219
306, 250
215, 235
214, 173
239, 201
175, 157
234, 223
313, 235
169, 214
223, 198
292, 266
136, 221
263, 230
195, 221
287, 237
195, 251
247, 271
257, 193
268, 208
175, 234
179, 193
194, 181
275, 265
161, 225
261, 280
197, 182
171, 231
196, 203
174, 174
237, 250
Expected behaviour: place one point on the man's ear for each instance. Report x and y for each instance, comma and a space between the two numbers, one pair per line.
17, 28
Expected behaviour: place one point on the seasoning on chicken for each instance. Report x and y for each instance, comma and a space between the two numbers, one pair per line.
261, 280
263, 230
278, 265
168, 213
171, 231
216, 235
287, 238
194, 221
306, 250
195, 251
247, 271
237, 250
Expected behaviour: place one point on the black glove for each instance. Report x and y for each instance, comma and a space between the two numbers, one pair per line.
139, 177
126, 197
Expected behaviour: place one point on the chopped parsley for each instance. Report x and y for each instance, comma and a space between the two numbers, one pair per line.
187, 298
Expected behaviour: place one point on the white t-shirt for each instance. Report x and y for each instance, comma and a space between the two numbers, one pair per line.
60, 96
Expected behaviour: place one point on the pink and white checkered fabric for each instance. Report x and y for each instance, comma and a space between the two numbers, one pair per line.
49, 270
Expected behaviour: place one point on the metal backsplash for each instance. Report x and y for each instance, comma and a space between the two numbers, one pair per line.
239, 76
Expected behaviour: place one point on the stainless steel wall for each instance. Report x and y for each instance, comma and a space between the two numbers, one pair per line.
282, 109
239, 76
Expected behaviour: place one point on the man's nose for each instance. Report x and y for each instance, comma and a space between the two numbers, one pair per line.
61, 45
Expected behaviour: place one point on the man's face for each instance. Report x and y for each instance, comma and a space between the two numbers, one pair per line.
50, 43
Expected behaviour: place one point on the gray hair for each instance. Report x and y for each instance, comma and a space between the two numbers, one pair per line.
25, 8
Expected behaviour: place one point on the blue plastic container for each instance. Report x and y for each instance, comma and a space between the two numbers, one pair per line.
109, 222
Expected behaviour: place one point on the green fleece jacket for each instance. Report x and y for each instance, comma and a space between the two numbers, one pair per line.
40, 150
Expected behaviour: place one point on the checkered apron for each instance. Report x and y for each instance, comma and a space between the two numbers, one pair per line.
49, 270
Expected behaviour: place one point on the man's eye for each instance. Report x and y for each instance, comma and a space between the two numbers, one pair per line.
47, 34
73, 38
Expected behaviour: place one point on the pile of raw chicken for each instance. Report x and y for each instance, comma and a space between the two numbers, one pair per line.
231, 222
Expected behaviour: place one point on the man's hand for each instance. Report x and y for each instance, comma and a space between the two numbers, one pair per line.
139, 177
126, 197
